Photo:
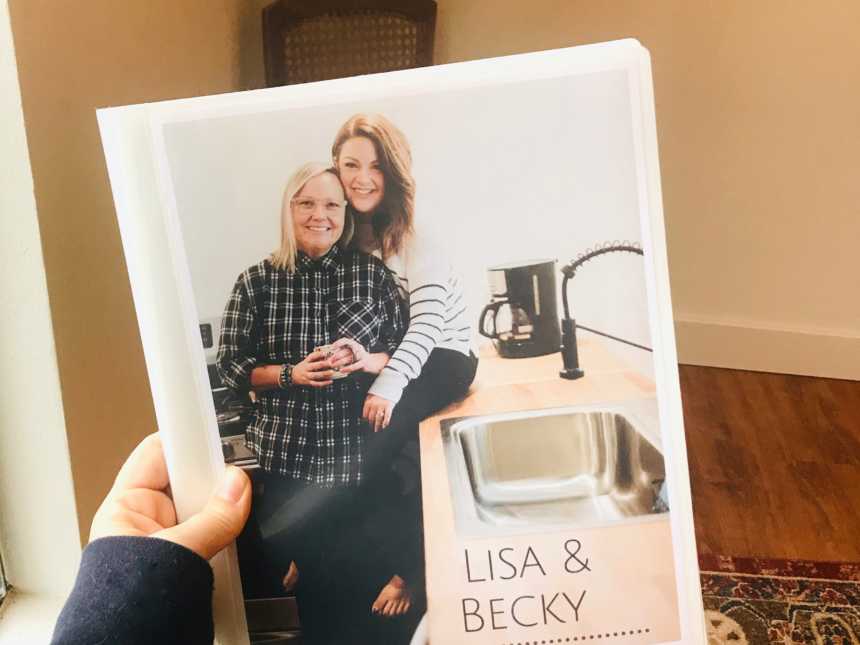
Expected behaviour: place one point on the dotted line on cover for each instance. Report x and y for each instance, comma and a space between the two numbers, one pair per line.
583, 637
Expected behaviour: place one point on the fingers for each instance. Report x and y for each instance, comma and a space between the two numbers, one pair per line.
382, 415
321, 362
316, 366
314, 357
315, 361
144, 468
347, 342
355, 366
373, 419
220, 521
369, 411
341, 357
357, 349
137, 503
314, 371
378, 418
377, 412
319, 379
348, 357
387, 417
137, 512
146, 503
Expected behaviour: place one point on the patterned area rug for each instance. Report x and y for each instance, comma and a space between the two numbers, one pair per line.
760, 602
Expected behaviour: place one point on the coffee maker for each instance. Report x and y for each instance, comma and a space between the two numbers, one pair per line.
522, 316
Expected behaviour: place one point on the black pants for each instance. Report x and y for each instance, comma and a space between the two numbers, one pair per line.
445, 378
394, 469
319, 528
348, 542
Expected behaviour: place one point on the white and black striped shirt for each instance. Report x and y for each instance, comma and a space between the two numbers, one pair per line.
437, 314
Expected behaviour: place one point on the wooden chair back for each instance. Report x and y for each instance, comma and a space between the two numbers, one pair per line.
315, 40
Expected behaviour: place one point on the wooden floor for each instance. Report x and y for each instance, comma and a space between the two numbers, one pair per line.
774, 463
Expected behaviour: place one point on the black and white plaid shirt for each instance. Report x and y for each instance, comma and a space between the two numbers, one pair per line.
275, 317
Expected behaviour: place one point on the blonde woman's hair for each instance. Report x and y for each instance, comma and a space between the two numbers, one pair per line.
285, 256
393, 220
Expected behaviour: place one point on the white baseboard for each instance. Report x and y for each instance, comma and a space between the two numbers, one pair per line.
760, 349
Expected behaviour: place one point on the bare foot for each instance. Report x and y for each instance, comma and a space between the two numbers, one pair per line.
291, 578
395, 599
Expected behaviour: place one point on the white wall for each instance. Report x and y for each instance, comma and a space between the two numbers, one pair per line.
757, 106
38, 524
543, 169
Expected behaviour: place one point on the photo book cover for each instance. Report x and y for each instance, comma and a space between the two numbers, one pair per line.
428, 313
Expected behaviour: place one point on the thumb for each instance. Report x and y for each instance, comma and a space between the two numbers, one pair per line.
220, 521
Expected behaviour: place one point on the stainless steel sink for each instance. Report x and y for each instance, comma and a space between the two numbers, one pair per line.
580, 466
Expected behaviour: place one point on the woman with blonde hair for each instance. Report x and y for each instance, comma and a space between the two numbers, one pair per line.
434, 364
307, 431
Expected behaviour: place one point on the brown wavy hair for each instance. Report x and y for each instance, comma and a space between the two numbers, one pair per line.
393, 220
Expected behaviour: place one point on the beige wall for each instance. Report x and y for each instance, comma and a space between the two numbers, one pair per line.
757, 106
72, 58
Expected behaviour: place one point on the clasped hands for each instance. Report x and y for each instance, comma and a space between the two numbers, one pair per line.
348, 356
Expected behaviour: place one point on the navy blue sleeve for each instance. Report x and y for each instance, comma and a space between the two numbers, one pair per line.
138, 591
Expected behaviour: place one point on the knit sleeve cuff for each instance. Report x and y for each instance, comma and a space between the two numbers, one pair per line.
138, 590
389, 385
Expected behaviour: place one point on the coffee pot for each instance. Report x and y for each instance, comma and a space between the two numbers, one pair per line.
522, 316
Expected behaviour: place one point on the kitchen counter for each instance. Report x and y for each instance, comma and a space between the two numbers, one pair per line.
552, 583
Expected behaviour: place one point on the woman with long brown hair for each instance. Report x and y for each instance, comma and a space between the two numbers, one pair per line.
434, 364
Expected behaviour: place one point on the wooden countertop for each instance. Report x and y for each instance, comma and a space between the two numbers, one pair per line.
625, 562
504, 384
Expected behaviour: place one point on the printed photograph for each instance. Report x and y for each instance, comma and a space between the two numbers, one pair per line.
426, 328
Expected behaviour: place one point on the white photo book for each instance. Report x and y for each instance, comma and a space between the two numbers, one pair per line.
428, 312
